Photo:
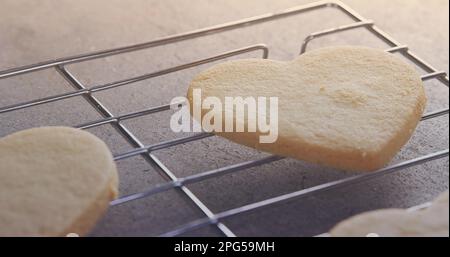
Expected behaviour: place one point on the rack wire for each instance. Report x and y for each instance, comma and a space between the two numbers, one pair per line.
146, 151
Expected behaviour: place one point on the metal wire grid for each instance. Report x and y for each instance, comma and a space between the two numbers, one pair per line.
146, 150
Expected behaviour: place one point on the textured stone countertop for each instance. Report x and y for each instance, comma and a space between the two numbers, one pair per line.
33, 31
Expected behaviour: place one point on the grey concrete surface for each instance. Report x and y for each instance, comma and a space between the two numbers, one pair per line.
33, 31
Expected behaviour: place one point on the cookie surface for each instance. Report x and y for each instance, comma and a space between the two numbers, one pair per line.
432, 221
54, 181
351, 108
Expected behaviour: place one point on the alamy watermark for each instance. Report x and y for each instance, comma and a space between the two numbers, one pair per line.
235, 114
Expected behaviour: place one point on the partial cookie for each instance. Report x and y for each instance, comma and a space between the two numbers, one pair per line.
54, 181
351, 108
432, 221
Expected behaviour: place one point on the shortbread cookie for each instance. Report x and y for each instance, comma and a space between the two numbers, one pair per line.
54, 181
351, 108
432, 221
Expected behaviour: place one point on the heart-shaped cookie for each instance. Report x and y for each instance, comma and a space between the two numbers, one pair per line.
346, 107
54, 181
432, 221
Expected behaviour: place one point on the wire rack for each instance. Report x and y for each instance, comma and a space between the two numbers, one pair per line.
146, 151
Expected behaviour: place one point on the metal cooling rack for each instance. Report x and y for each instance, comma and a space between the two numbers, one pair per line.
146, 150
